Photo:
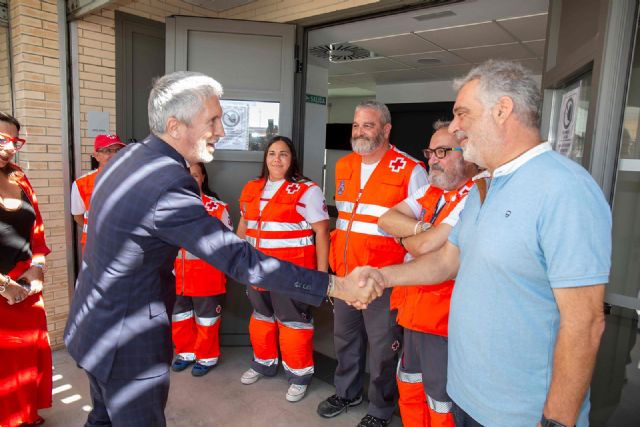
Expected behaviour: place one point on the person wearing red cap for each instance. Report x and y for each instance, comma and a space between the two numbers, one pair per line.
104, 147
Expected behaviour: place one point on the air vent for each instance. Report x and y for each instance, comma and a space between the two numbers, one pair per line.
340, 52
436, 15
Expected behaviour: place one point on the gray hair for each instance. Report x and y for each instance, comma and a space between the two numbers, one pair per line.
505, 78
378, 106
180, 95
440, 124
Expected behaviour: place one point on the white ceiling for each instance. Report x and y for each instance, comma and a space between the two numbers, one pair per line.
406, 49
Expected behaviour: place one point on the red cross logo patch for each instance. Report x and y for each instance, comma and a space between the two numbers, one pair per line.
397, 164
292, 188
211, 205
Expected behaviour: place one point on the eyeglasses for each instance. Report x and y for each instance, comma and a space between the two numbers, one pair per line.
440, 152
17, 142
109, 150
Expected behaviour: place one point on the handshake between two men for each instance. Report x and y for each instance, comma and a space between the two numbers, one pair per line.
359, 288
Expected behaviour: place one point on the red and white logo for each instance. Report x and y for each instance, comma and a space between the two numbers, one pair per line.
211, 206
397, 164
292, 188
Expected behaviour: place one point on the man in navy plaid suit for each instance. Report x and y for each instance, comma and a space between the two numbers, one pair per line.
144, 207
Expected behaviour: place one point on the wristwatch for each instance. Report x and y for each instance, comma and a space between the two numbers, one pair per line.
544, 422
41, 266
5, 281
425, 226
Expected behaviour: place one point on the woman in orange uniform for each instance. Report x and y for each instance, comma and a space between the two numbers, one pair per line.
200, 292
285, 216
25, 364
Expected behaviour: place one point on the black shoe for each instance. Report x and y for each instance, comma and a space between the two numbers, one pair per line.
180, 364
200, 370
335, 405
371, 421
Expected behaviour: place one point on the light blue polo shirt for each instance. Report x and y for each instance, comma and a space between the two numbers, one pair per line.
544, 224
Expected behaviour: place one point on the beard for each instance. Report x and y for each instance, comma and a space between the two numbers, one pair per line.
447, 180
364, 145
203, 154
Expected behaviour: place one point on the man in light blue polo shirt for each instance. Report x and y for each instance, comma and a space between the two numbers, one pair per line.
531, 254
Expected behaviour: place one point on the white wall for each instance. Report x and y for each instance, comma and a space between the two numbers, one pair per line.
315, 120
341, 109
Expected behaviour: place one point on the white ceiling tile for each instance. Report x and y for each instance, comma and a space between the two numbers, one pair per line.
397, 45
375, 64
400, 76
502, 51
444, 58
537, 47
482, 34
449, 72
339, 68
526, 28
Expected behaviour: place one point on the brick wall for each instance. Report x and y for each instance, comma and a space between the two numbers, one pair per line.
5, 86
36, 79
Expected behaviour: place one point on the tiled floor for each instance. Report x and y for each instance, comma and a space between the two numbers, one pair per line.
217, 399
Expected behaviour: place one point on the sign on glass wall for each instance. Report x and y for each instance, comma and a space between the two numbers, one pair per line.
248, 125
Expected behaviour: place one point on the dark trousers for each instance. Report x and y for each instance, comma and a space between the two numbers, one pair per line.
351, 330
462, 419
128, 402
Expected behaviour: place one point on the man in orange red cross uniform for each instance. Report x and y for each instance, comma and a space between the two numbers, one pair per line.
104, 148
422, 223
372, 179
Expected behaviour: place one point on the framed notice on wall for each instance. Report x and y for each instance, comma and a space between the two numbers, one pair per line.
567, 121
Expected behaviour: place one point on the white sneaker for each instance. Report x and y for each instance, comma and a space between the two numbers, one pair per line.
250, 376
296, 392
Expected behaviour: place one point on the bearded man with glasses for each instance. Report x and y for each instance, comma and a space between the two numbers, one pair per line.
105, 147
422, 223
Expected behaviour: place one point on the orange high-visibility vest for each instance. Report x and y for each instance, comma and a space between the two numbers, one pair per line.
195, 277
426, 308
357, 240
85, 187
279, 231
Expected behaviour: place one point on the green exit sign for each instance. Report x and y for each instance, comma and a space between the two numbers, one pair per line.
316, 99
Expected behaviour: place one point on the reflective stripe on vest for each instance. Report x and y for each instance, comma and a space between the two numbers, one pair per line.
362, 209
263, 318
279, 226
207, 321
297, 325
439, 407
265, 243
298, 372
179, 317
361, 227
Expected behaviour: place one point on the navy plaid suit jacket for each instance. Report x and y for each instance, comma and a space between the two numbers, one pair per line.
145, 205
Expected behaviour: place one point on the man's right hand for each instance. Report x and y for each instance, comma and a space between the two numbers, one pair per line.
360, 287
